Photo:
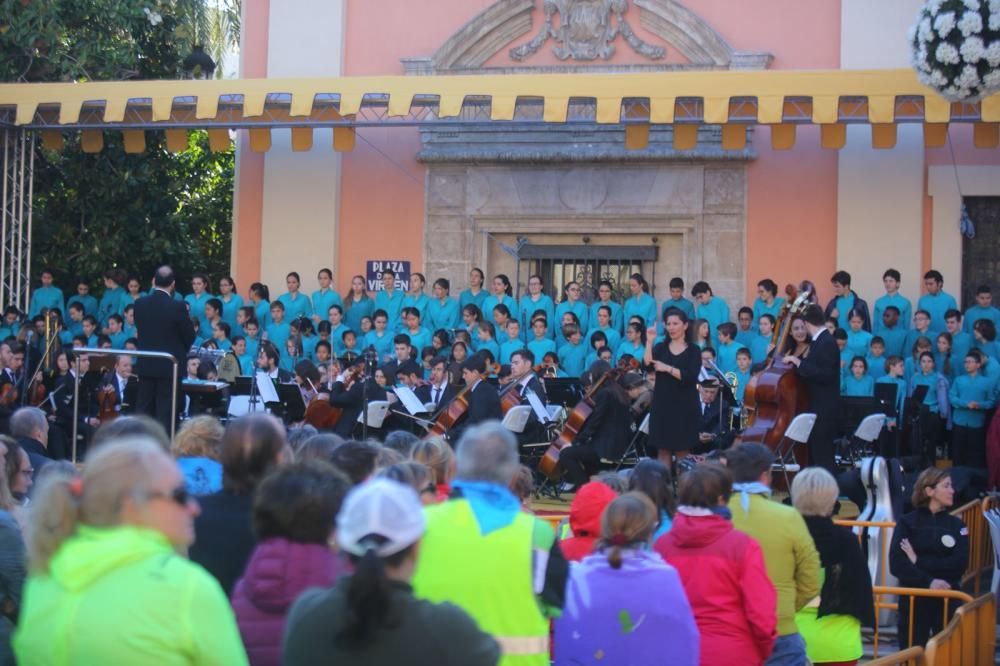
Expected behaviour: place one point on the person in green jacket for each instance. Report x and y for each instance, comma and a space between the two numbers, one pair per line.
107, 583
789, 552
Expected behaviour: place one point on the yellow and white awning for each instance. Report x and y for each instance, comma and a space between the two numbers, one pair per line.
684, 99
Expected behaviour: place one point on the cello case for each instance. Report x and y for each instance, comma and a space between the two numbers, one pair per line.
878, 477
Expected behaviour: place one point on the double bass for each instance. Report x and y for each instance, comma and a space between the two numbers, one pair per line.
777, 394
549, 464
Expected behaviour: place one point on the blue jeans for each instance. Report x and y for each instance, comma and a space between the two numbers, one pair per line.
789, 650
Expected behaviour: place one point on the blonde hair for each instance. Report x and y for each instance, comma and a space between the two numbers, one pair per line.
814, 492
7, 502
929, 478
437, 455
116, 471
629, 519
199, 437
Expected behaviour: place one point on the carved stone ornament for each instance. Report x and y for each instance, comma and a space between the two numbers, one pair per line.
586, 31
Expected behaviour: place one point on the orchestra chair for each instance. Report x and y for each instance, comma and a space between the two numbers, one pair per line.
862, 442
631, 454
377, 412
797, 433
516, 418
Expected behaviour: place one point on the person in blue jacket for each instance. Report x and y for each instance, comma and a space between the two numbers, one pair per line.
474, 295
47, 297
640, 303
983, 309
858, 383
891, 280
709, 307
677, 299
534, 301
844, 301
442, 310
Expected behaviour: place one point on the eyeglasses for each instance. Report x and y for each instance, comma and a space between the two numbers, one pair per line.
179, 496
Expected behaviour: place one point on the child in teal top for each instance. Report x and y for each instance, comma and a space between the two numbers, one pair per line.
605, 291
296, 303
502, 291
442, 311
349, 345
742, 372
571, 303
220, 333
246, 360
858, 339
196, 301
513, 341
379, 337
840, 337
983, 309
47, 297
937, 386
568, 319
535, 301
893, 332
474, 295
542, 344
710, 307
501, 315
277, 331
858, 383
390, 299
252, 329
961, 342
487, 339
936, 301
725, 351
972, 395
83, 297
892, 298
894, 375
573, 354
596, 341
761, 344
416, 298
745, 332
602, 321
677, 299
337, 326
115, 332
921, 328
767, 300
111, 301
913, 362
640, 303
324, 297
876, 358
420, 337
231, 301
634, 344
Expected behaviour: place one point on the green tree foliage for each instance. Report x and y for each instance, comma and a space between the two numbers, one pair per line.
93, 212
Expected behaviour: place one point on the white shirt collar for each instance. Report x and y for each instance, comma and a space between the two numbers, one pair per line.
815, 336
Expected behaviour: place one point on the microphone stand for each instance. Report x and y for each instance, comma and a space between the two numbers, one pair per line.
253, 377
371, 361
722, 398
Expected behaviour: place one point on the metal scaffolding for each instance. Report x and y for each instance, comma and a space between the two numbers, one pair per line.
15, 223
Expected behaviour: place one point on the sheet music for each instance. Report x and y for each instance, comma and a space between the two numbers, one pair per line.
265, 388
537, 406
410, 400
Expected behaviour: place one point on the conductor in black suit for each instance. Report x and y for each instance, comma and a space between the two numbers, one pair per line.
820, 370
484, 401
163, 325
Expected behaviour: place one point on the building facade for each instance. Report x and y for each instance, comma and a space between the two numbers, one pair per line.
573, 202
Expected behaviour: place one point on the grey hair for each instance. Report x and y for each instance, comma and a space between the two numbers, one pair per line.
26, 421
487, 452
814, 492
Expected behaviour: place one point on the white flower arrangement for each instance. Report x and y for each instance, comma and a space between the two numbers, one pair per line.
956, 48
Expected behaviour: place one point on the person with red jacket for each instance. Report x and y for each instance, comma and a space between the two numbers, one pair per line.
723, 571
585, 519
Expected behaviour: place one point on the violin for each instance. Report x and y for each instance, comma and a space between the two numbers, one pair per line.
549, 464
8, 395
320, 414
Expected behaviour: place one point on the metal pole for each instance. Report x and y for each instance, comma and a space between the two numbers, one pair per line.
76, 404
173, 401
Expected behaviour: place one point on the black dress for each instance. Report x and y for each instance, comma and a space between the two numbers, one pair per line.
674, 416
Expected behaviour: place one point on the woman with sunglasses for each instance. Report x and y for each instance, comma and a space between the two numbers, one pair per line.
107, 583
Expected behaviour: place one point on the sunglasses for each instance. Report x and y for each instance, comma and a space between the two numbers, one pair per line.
179, 496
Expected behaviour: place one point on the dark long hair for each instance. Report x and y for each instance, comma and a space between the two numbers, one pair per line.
368, 604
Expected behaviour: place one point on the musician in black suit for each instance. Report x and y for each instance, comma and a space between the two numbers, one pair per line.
268, 359
350, 397
605, 433
484, 401
709, 403
63, 396
125, 384
820, 370
522, 363
438, 391
162, 324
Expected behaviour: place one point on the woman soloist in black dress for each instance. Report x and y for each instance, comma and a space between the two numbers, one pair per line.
675, 413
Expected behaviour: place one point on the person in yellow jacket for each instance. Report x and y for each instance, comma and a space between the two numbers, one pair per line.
483, 554
789, 552
107, 585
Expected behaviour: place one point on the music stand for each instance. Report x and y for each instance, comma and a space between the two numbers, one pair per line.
888, 395
293, 407
912, 409
565, 391
242, 385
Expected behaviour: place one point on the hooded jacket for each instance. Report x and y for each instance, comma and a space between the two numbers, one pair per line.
733, 600
585, 519
626, 615
278, 572
121, 595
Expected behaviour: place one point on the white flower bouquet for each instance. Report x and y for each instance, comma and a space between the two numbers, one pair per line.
956, 48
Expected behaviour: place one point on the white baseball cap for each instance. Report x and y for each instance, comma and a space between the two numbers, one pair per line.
381, 515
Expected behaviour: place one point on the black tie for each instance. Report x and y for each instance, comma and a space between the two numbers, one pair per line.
437, 395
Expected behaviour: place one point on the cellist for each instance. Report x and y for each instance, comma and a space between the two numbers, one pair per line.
525, 382
820, 370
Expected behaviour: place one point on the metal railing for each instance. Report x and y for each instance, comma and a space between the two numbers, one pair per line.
980, 542
92, 351
969, 639
949, 597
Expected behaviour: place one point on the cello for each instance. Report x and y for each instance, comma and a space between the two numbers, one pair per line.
549, 464
776, 395
455, 410
320, 414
